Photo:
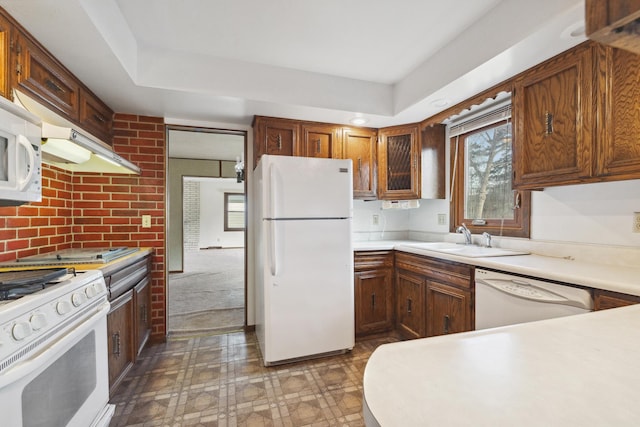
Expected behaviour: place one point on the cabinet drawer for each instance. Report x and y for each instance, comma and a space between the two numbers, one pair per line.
127, 277
449, 272
95, 116
373, 259
44, 79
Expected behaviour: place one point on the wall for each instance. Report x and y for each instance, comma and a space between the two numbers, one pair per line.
212, 232
97, 210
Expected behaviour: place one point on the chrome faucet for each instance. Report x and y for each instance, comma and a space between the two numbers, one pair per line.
487, 239
467, 234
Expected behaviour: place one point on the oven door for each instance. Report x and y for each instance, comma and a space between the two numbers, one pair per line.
65, 384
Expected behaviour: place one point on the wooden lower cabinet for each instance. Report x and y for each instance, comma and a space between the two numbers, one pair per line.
143, 313
411, 307
129, 320
374, 292
604, 300
449, 309
434, 297
120, 338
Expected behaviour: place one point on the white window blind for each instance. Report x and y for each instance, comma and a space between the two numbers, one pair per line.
493, 113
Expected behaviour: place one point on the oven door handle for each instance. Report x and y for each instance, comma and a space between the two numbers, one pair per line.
25, 367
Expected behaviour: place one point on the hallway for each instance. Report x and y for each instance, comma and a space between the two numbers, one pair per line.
208, 297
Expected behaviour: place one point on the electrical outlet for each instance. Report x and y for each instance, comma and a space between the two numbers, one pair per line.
636, 222
375, 219
146, 221
442, 219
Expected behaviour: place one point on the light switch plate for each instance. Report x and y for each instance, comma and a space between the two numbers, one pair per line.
636, 222
146, 221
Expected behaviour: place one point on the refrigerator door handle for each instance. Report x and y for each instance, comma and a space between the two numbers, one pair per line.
273, 259
272, 190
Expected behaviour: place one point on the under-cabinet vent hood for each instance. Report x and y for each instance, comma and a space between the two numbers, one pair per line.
68, 147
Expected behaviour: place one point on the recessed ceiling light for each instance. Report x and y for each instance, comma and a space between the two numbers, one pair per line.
358, 121
440, 102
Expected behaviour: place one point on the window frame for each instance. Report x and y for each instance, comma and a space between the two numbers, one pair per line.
519, 227
227, 195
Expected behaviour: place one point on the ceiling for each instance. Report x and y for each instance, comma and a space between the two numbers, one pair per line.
224, 61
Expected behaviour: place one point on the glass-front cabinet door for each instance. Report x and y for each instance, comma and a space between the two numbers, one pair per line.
399, 163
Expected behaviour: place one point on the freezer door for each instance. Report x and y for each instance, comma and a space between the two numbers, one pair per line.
303, 187
308, 291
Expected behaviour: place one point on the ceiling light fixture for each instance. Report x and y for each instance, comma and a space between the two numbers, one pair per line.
440, 102
358, 121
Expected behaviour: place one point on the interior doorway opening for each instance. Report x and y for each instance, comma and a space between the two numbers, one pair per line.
206, 245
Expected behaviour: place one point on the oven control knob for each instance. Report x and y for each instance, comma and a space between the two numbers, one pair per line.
21, 330
91, 291
63, 307
38, 321
78, 298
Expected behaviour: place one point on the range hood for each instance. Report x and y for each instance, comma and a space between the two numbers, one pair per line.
68, 147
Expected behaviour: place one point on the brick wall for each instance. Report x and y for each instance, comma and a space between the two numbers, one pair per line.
97, 210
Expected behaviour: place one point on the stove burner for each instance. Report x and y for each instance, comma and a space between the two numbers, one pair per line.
16, 284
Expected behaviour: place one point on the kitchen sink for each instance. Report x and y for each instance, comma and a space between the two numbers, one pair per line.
470, 251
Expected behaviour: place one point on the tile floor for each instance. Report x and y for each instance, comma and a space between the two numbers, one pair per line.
219, 380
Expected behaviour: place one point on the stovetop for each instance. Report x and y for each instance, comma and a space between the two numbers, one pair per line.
72, 257
16, 284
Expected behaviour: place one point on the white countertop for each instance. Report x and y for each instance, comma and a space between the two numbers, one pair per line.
579, 370
600, 276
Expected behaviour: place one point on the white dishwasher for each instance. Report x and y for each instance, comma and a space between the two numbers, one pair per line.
504, 299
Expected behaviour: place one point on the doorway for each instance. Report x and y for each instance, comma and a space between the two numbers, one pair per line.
206, 255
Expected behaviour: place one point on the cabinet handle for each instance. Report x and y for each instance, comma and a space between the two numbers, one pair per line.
115, 338
318, 146
279, 140
143, 314
373, 300
447, 322
52, 85
99, 118
359, 167
408, 305
548, 122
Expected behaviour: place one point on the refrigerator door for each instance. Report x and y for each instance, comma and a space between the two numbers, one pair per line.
304, 187
308, 289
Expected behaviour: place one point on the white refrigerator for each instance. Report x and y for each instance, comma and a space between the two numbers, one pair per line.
304, 257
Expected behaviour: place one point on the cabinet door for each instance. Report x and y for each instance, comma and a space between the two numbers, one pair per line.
276, 136
143, 313
320, 140
120, 338
359, 145
410, 304
96, 117
374, 301
554, 120
5, 56
448, 309
43, 78
604, 300
399, 163
614, 22
619, 151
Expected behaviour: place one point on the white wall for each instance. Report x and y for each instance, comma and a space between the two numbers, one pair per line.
392, 223
600, 213
212, 232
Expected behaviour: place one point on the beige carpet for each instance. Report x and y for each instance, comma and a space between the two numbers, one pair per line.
209, 295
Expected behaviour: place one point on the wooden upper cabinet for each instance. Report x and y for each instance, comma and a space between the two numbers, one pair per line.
432, 162
619, 133
6, 30
95, 116
42, 77
276, 136
614, 22
320, 140
359, 145
399, 163
554, 121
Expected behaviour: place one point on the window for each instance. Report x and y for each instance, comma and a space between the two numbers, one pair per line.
233, 212
482, 195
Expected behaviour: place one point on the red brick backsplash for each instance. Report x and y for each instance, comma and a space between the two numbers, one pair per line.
98, 210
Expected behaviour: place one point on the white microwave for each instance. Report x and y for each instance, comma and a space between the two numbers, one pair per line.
20, 155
